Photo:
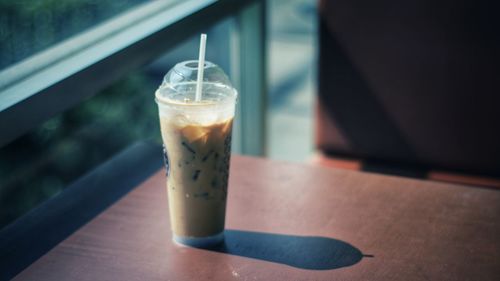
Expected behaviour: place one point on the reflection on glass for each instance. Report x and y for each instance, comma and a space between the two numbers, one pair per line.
43, 162
27, 27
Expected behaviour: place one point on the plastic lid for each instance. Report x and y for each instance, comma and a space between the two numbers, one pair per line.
187, 71
179, 85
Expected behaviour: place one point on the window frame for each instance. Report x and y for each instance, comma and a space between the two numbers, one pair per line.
54, 80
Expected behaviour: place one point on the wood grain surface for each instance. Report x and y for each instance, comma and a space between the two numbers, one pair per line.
294, 222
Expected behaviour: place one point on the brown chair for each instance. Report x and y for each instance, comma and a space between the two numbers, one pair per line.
410, 88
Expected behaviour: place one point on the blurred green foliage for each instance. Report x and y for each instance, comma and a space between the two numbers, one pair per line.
40, 164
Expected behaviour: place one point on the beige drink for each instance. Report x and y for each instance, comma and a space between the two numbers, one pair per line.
196, 135
198, 172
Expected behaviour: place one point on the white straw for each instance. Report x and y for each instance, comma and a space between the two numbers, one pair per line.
201, 66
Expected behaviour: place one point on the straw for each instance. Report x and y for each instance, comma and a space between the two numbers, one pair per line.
201, 66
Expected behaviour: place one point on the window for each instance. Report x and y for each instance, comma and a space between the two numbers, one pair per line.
292, 82
28, 27
56, 105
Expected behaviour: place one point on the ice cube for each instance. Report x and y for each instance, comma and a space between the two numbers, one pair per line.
194, 133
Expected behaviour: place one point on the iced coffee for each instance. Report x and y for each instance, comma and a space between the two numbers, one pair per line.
197, 149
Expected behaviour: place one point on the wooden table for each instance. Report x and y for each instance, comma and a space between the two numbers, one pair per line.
294, 222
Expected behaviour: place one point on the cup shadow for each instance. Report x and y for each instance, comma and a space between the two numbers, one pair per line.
306, 252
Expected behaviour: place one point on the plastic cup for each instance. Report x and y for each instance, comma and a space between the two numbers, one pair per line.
197, 149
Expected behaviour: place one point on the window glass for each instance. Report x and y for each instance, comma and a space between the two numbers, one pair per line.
28, 27
46, 160
292, 83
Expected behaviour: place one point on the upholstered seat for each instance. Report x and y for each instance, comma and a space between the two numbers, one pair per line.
410, 84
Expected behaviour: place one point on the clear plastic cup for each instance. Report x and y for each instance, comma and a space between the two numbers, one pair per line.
197, 149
